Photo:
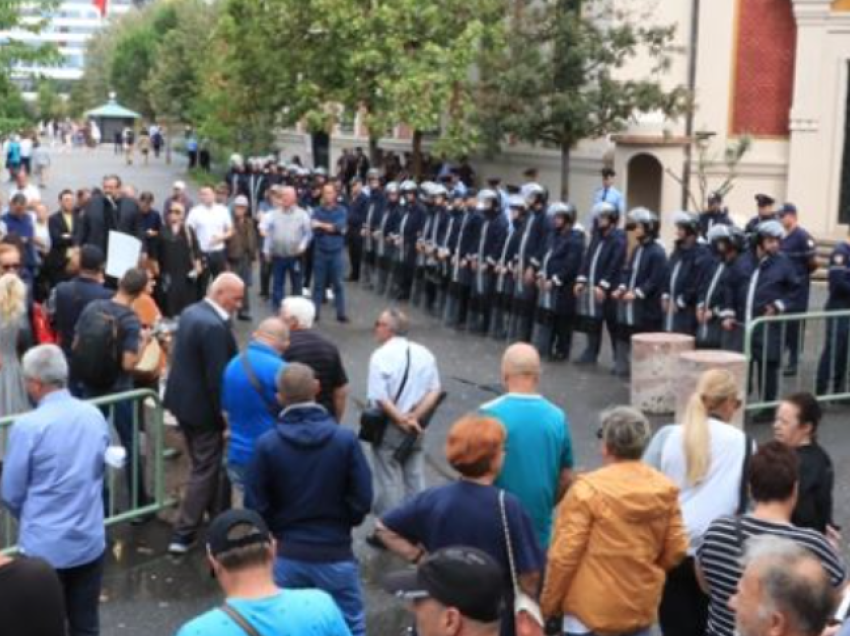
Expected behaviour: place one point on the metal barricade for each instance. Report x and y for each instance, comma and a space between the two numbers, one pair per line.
822, 357
141, 481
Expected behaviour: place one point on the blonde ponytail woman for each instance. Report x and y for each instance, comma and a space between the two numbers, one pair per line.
13, 327
704, 456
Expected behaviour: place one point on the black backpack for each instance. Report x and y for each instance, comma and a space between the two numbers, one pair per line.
96, 352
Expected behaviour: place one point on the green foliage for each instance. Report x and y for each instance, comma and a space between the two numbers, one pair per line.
14, 113
561, 79
48, 103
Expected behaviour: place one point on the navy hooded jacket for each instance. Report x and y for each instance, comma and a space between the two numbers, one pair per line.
310, 481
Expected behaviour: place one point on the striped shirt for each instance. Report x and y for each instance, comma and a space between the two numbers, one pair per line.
720, 555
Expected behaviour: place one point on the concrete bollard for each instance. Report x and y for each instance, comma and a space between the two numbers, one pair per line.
655, 363
692, 364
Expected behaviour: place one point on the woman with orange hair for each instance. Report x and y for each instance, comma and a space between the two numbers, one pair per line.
468, 512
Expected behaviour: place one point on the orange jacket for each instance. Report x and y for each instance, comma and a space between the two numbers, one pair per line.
618, 531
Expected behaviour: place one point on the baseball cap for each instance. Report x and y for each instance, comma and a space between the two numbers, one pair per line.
179, 185
715, 197
787, 208
218, 539
460, 577
241, 201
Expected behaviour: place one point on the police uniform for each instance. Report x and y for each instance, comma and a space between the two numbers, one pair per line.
358, 211
601, 268
687, 265
799, 246
832, 369
457, 305
429, 222
529, 258
556, 305
410, 228
491, 239
433, 240
710, 218
387, 248
503, 291
372, 223
644, 276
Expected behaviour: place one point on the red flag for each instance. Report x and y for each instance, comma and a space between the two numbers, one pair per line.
101, 6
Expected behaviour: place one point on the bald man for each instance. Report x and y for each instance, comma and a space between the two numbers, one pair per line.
203, 347
249, 395
539, 456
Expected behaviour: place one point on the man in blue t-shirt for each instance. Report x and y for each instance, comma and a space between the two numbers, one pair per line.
249, 394
241, 552
539, 454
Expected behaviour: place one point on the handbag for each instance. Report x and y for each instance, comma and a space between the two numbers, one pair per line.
272, 408
240, 620
528, 618
149, 364
373, 419
42, 330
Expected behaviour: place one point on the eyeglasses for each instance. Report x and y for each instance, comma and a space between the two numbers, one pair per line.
10, 267
380, 323
600, 433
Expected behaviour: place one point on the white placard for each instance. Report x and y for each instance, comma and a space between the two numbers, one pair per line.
123, 254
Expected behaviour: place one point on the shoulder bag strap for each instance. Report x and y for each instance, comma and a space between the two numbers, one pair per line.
403, 378
743, 495
507, 533
240, 620
255, 383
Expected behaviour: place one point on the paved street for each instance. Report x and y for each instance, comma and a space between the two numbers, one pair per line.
146, 592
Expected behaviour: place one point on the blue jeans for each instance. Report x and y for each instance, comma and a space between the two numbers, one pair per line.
340, 579
280, 266
81, 587
328, 269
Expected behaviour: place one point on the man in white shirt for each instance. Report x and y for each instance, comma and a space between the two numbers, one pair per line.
26, 153
23, 186
212, 225
397, 362
286, 234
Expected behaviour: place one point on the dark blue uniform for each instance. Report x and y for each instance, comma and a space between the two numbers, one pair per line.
372, 223
556, 306
773, 283
460, 286
386, 248
710, 297
645, 277
357, 211
532, 247
832, 369
799, 246
505, 279
491, 239
601, 267
686, 268
708, 220
410, 228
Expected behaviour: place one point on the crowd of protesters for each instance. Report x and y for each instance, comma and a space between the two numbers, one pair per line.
694, 527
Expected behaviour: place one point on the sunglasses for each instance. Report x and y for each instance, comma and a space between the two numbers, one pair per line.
10, 267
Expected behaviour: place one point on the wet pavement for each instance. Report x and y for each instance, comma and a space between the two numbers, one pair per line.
147, 592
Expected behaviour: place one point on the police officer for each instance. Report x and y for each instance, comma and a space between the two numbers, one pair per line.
385, 237
372, 223
447, 238
410, 227
426, 199
553, 333
529, 259
639, 292
463, 250
505, 269
714, 214
432, 240
765, 212
488, 248
726, 243
799, 246
599, 276
688, 263
768, 292
832, 369
358, 210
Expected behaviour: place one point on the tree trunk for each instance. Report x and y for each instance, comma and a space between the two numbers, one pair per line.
374, 153
566, 148
417, 154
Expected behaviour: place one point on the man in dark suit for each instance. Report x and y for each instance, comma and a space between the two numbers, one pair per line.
63, 227
101, 214
203, 346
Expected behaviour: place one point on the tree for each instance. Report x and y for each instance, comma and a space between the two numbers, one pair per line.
561, 78
49, 104
20, 15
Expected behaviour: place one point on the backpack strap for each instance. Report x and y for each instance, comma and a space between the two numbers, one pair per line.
240, 620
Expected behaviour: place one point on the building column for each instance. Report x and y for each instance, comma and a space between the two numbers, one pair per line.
809, 163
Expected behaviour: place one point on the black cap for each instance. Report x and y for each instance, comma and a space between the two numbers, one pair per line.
460, 577
787, 208
91, 258
764, 200
715, 197
608, 172
217, 534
